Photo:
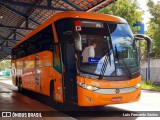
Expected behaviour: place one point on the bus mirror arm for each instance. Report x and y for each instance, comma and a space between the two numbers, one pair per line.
147, 39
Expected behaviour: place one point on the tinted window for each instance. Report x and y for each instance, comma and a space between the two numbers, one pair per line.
43, 40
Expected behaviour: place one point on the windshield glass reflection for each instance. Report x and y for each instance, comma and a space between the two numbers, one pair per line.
108, 50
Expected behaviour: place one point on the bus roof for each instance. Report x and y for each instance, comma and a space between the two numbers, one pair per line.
73, 14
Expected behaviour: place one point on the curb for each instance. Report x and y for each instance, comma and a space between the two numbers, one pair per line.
152, 90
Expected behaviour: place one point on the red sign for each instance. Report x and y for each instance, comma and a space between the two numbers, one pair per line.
77, 25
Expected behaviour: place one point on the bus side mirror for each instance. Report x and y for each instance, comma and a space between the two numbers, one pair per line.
78, 41
147, 39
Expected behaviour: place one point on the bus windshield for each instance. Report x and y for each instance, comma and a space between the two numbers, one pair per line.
108, 49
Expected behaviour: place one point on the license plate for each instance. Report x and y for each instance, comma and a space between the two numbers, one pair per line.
116, 99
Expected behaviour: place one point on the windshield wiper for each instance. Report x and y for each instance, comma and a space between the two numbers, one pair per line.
129, 74
107, 60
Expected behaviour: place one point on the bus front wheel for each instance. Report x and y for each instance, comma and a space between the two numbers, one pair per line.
54, 103
52, 91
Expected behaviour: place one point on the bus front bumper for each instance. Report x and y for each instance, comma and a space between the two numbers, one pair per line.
92, 98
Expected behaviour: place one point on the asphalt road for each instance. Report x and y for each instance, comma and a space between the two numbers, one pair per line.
150, 101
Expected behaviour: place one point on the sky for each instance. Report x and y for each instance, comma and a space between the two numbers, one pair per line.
147, 15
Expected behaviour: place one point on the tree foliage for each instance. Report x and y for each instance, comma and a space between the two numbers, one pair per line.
127, 9
154, 26
5, 64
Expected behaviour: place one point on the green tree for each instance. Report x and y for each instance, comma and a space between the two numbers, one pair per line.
154, 26
5, 64
127, 9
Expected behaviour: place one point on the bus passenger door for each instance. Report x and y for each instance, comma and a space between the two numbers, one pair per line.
58, 83
68, 56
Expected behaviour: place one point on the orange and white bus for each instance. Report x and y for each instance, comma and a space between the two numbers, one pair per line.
54, 60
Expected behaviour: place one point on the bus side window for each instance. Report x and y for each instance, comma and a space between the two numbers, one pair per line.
57, 60
45, 39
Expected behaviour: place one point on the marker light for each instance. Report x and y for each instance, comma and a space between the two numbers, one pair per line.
138, 85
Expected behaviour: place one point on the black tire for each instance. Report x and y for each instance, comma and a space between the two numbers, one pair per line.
20, 89
52, 91
17, 81
54, 103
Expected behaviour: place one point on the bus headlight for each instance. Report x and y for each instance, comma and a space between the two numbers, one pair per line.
138, 85
92, 88
88, 87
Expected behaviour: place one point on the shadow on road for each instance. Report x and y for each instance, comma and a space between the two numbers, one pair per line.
80, 112
72, 109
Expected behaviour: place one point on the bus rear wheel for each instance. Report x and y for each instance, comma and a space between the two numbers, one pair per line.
20, 86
